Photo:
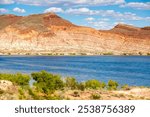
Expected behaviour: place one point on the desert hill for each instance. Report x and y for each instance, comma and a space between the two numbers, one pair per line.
49, 33
131, 31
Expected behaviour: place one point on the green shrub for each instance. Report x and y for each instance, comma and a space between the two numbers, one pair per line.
81, 86
148, 54
21, 94
103, 85
125, 87
19, 79
83, 54
50, 54
95, 96
112, 85
93, 84
71, 83
72, 54
33, 94
140, 53
108, 53
124, 54
46, 82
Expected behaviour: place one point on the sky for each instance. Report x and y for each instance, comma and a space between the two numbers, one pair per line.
99, 14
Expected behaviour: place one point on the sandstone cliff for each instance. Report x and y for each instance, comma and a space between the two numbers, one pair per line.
49, 33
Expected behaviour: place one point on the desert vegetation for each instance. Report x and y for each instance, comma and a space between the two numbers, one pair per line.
53, 87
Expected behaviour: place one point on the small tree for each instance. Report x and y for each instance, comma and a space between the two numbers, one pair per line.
47, 82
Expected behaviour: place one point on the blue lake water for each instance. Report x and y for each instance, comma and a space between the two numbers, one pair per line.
132, 70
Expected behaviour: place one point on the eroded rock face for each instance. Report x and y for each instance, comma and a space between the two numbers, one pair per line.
5, 85
49, 33
8, 91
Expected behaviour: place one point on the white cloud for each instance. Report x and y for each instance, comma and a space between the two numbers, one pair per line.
104, 19
104, 13
101, 25
137, 5
33, 2
67, 2
79, 11
6, 1
54, 9
19, 10
89, 19
2, 10
98, 2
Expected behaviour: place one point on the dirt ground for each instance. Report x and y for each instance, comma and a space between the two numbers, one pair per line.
134, 93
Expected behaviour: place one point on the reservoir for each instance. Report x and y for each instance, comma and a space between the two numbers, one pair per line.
131, 70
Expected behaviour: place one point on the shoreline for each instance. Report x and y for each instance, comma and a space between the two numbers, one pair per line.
71, 54
17, 87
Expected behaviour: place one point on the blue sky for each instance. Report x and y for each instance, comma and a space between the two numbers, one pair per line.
99, 14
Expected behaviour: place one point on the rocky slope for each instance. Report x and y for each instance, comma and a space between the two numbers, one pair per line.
49, 33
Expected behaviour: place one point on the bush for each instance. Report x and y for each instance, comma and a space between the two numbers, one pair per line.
81, 86
103, 85
33, 94
125, 87
72, 54
19, 79
76, 94
112, 85
148, 54
108, 53
83, 54
21, 94
71, 83
93, 84
46, 82
95, 96
140, 53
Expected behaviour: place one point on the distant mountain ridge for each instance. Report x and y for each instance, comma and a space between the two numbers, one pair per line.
49, 33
